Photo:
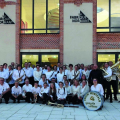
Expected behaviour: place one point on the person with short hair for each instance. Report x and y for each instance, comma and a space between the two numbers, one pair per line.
27, 91
44, 94
5, 68
42, 81
53, 80
60, 75
4, 91
16, 92
61, 94
70, 74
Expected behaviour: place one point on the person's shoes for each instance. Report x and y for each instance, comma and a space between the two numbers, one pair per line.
32, 102
111, 101
115, 98
0, 101
14, 101
18, 101
6, 102
119, 101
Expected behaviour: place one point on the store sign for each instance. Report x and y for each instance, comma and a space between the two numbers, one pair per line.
92, 101
82, 18
4, 19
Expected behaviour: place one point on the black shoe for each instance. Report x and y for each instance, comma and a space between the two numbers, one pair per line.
0, 101
32, 102
6, 102
14, 101
18, 101
119, 101
115, 99
111, 101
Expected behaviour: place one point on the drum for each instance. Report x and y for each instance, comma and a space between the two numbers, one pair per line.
93, 100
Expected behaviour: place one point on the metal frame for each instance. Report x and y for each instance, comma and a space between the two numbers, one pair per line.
34, 18
109, 22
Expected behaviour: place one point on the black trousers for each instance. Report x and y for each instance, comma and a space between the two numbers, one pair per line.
74, 99
18, 98
29, 96
6, 96
31, 80
107, 85
61, 102
69, 98
54, 97
45, 98
114, 86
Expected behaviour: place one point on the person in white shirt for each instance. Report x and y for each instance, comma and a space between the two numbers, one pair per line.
42, 81
13, 65
36, 91
10, 80
16, 92
5, 67
114, 81
75, 91
65, 71
4, 90
4, 73
53, 80
44, 70
107, 84
70, 74
27, 91
61, 94
64, 79
55, 72
19, 73
37, 74
69, 92
81, 69
44, 94
60, 75
76, 73
52, 92
83, 90
29, 73
49, 74
86, 72
58, 66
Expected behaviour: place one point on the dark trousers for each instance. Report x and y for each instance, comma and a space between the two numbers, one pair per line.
54, 97
107, 85
69, 98
114, 86
61, 102
29, 96
6, 96
31, 80
74, 99
45, 98
18, 98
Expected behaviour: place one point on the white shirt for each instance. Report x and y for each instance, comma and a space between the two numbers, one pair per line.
65, 72
49, 75
41, 82
76, 90
28, 72
16, 75
61, 93
44, 90
109, 71
4, 87
68, 89
5, 69
76, 73
37, 75
86, 73
36, 90
27, 88
11, 73
60, 77
98, 88
55, 74
16, 90
82, 89
4, 74
80, 73
70, 74
44, 71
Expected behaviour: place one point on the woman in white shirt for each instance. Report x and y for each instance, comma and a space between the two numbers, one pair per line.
83, 90
75, 91
37, 74
97, 87
60, 76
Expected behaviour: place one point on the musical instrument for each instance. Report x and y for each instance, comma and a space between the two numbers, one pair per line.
20, 78
93, 100
35, 96
55, 104
9, 78
105, 73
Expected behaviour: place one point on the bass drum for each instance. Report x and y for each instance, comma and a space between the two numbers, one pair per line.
93, 101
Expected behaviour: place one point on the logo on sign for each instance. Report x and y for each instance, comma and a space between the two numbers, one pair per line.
5, 19
82, 18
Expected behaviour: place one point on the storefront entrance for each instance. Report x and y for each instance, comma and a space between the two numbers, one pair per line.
43, 58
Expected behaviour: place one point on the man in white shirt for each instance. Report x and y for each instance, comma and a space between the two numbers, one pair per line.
60, 76
19, 73
4, 90
107, 83
65, 71
76, 73
70, 74
44, 70
58, 66
44, 93
114, 81
27, 91
61, 94
16, 92
5, 67
53, 81
4, 73
81, 69
28, 73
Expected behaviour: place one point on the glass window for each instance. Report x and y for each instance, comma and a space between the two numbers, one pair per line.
108, 15
40, 16
29, 58
49, 60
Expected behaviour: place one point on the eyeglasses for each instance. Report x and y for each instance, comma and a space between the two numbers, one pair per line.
94, 80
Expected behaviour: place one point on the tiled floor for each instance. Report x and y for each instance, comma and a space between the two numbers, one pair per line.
28, 111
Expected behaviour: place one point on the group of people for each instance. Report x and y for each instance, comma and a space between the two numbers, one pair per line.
41, 84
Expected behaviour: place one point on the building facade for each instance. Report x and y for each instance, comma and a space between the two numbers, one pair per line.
68, 31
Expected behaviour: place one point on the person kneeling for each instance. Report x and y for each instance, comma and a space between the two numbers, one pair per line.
44, 93
16, 92
61, 94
